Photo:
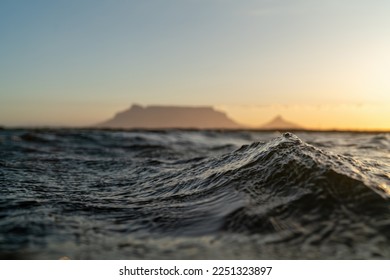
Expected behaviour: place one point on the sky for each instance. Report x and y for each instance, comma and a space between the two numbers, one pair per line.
322, 64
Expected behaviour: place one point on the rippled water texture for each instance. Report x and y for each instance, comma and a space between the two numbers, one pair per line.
90, 194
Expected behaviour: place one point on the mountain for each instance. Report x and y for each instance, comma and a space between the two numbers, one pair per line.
170, 117
280, 123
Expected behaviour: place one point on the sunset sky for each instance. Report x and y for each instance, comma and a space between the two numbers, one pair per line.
322, 64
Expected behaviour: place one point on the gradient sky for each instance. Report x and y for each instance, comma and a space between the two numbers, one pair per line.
323, 64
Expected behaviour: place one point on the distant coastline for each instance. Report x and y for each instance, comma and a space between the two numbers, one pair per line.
243, 129
166, 117
158, 118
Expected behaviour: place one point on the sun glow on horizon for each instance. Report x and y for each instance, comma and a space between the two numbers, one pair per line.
322, 117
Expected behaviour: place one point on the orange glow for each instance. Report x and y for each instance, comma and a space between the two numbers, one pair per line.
341, 117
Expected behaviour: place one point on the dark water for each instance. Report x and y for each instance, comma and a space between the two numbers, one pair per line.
193, 195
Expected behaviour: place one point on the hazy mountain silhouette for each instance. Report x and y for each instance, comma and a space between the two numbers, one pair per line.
170, 117
280, 123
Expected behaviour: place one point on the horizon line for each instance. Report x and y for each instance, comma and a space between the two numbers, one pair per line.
310, 130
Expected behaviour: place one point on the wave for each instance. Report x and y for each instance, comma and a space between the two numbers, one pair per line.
201, 187
278, 187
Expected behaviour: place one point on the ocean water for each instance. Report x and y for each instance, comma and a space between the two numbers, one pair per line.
176, 194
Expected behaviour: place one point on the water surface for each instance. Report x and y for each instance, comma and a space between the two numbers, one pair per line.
174, 194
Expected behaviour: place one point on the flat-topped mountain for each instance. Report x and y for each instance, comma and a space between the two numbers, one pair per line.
170, 117
280, 123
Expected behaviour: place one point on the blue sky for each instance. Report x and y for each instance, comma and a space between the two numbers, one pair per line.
78, 62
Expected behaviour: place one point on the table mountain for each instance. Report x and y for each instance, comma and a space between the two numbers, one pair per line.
170, 117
